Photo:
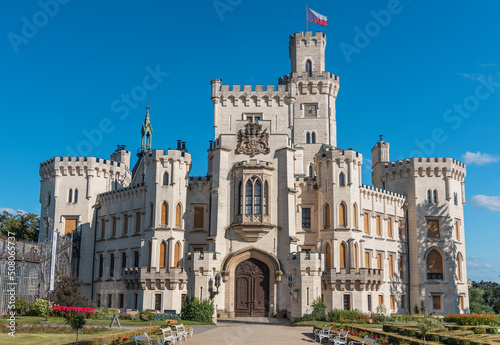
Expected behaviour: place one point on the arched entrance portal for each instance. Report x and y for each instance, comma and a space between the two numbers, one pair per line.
252, 288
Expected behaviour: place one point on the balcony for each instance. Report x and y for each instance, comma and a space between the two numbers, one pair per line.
139, 278
368, 279
252, 227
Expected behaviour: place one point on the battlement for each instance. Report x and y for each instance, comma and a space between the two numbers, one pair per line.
180, 155
200, 179
81, 163
381, 192
301, 38
302, 77
123, 191
203, 263
253, 163
337, 154
422, 166
245, 95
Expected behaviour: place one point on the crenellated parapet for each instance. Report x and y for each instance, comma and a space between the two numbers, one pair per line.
84, 166
334, 154
140, 278
377, 193
249, 95
368, 279
424, 167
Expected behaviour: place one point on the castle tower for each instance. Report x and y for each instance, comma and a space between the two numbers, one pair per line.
121, 155
307, 53
146, 132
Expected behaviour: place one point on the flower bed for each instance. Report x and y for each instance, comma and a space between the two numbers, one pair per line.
118, 338
62, 311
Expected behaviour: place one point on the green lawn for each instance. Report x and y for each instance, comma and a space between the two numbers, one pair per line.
34, 320
52, 339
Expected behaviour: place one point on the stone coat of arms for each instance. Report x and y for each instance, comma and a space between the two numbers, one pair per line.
253, 140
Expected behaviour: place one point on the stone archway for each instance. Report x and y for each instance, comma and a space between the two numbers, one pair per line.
268, 266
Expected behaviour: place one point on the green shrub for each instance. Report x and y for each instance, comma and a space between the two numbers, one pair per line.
147, 314
479, 330
463, 341
105, 313
195, 310
39, 307
337, 315
318, 313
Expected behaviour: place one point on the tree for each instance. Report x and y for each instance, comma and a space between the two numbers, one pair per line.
24, 226
491, 294
424, 329
76, 321
67, 293
476, 302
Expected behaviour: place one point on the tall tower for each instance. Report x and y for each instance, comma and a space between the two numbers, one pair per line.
146, 131
307, 52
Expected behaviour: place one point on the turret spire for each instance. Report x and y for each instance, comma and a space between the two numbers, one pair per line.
146, 131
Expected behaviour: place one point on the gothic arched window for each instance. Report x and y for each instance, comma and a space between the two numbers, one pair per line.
165, 179
343, 255
311, 174
308, 138
434, 265
309, 68
341, 180
76, 195
342, 214
265, 200
164, 214
313, 137
70, 196
248, 197
256, 199
429, 197
435, 196
240, 198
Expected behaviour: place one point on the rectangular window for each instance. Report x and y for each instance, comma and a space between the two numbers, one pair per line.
136, 258
125, 223
436, 302
114, 226
379, 226
253, 118
198, 217
380, 299
158, 302
367, 223
347, 302
138, 221
103, 228
389, 227
400, 229
379, 261
112, 265
306, 217
70, 225
367, 260
457, 230
110, 300
403, 301
369, 303
101, 265
393, 302
391, 267
124, 260
98, 300
433, 228
200, 249
136, 301
461, 298
121, 301
401, 268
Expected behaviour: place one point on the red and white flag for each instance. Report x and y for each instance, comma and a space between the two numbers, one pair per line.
317, 18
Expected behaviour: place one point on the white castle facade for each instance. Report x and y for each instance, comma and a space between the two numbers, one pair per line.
282, 216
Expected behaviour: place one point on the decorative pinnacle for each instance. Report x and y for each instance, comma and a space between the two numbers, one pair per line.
381, 136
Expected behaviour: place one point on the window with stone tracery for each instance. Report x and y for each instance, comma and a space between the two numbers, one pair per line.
256, 197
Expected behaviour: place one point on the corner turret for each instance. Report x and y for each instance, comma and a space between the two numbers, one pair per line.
121, 155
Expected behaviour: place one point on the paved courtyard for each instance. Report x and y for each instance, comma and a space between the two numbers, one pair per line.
261, 331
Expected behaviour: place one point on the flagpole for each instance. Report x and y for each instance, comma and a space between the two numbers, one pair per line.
306, 18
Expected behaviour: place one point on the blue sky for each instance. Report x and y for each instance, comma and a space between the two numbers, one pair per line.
422, 73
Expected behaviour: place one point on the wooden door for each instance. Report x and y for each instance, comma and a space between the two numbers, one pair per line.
252, 288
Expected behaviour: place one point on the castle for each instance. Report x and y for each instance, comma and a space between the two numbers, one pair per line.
281, 218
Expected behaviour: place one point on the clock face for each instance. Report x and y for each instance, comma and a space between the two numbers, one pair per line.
311, 110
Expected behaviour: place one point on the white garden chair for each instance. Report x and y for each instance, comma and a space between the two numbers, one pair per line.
339, 339
168, 335
322, 333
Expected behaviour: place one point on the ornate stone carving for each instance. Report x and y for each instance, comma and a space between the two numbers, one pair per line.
253, 140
